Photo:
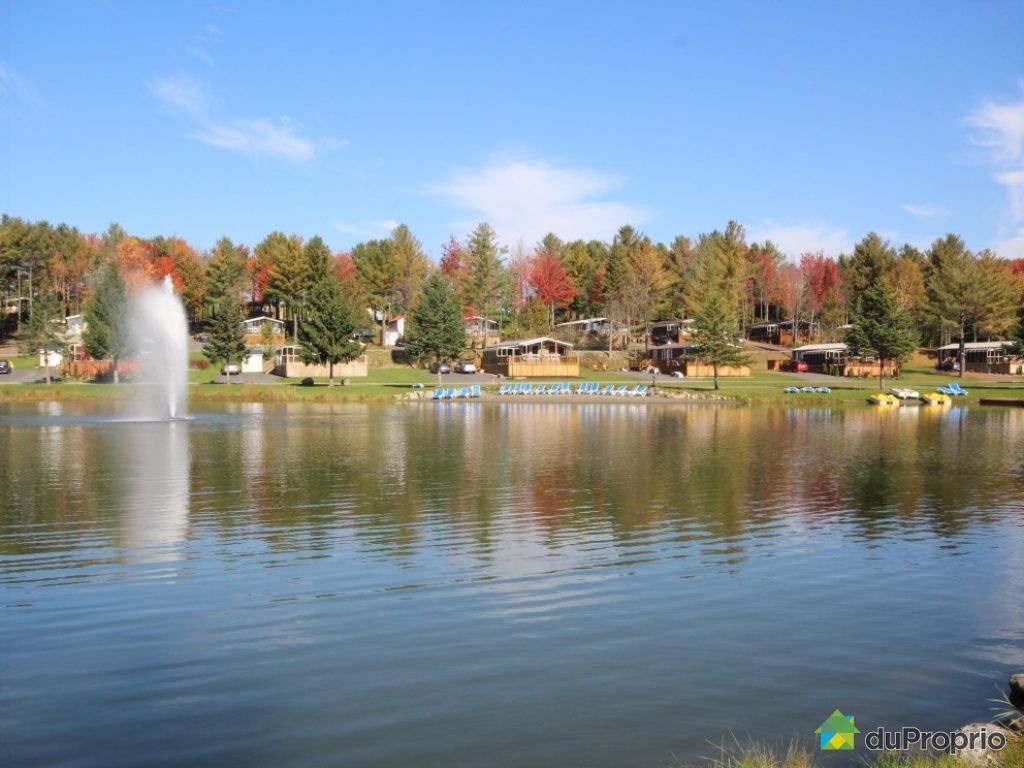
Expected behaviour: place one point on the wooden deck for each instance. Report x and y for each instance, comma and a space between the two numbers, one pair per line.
1014, 402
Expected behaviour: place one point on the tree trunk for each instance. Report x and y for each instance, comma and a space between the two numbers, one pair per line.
962, 354
330, 373
47, 368
714, 370
117, 376
881, 374
439, 373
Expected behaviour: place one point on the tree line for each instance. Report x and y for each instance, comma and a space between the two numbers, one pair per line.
947, 292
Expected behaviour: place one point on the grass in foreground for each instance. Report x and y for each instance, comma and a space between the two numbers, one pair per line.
796, 756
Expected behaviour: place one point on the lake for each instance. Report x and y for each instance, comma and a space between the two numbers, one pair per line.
462, 584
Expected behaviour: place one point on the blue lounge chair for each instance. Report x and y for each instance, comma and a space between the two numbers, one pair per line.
957, 389
792, 390
824, 391
474, 391
505, 389
527, 389
807, 389
439, 393
583, 388
594, 389
463, 392
565, 389
622, 389
946, 391
517, 389
540, 389
450, 393
608, 389
640, 390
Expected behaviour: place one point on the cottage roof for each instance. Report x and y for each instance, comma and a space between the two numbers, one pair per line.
262, 319
584, 321
837, 347
528, 343
977, 345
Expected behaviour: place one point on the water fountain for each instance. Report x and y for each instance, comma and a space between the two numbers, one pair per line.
161, 338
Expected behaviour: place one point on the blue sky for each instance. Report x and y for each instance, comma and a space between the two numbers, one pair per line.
811, 123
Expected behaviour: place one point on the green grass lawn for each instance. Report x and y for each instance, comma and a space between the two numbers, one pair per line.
762, 387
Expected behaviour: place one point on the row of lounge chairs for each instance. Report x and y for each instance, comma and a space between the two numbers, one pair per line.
808, 390
453, 393
565, 388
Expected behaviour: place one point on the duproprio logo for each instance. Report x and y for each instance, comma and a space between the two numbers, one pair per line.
838, 732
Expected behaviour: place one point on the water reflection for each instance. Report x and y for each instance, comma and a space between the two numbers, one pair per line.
155, 490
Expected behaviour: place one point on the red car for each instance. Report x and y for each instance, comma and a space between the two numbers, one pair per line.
794, 366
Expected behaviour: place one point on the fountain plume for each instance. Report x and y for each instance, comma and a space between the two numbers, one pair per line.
161, 338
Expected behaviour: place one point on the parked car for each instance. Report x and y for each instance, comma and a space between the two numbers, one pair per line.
437, 367
465, 366
794, 366
5, 366
231, 369
950, 364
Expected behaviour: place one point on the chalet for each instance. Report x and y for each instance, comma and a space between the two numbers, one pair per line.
835, 359
669, 331
394, 331
672, 358
481, 331
254, 328
983, 356
288, 363
542, 356
780, 333
253, 361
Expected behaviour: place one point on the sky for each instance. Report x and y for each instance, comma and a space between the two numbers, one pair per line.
810, 123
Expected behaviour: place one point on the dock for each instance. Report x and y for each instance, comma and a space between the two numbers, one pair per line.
1013, 402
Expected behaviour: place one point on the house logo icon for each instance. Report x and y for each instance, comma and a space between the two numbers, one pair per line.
837, 732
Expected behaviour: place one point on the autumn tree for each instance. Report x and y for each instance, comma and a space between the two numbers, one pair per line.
289, 274
720, 269
765, 260
410, 266
107, 334
326, 333
882, 328
969, 293
375, 269
789, 296
551, 282
435, 330
646, 280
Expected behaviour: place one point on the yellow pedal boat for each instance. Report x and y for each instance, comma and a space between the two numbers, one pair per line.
936, 398
883, 398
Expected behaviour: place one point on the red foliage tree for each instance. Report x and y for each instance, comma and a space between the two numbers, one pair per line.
552, 282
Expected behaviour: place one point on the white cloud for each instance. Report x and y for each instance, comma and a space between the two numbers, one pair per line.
256, 137
526, 199
1000, 128
797, 239
1014, 183
385, 224
1011, 247
180, 93
15, 87
187, 97
925, 211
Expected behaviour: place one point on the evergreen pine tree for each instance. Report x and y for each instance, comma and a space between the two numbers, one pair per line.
107, 334
435, 330
714, 330
44, 330
226, 341
326, 333
881, 327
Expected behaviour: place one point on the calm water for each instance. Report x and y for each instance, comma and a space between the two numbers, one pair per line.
503, 585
